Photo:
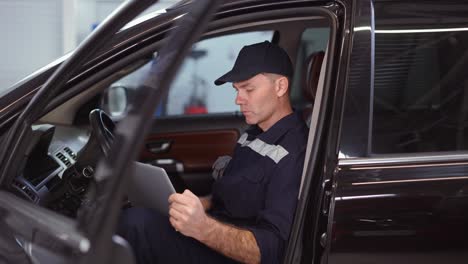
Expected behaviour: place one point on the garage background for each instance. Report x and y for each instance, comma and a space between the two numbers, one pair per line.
35, 32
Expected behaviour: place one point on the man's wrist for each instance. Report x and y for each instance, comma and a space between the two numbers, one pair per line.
208, 228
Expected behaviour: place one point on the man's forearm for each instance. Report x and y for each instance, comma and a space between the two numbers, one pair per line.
231, 241
187, 215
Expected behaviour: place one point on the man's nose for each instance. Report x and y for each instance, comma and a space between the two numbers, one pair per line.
239, 99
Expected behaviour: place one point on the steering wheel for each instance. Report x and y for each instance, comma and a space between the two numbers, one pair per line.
102, 127
102, 135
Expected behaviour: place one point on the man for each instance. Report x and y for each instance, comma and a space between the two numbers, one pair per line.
249, 217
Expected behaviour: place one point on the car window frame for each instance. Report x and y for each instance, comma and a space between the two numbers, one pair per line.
360, 156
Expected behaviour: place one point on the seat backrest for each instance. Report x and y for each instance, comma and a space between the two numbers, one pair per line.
311, 75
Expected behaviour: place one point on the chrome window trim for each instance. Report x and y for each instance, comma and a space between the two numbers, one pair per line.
410, 160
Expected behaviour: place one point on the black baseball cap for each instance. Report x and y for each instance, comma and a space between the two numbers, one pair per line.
263, 57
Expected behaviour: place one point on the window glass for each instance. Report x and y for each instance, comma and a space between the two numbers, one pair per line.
420, 85
312, 40
193, 91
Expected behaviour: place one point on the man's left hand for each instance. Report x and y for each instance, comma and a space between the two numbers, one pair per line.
187, 215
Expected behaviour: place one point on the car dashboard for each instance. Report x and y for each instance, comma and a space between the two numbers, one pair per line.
58, 166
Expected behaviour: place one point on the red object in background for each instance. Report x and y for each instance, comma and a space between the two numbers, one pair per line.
193, 109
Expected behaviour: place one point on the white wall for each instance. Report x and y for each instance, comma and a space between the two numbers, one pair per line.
31, 37
35, 32
100, 9
86, 18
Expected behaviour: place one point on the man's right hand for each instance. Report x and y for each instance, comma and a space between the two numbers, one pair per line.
187, 214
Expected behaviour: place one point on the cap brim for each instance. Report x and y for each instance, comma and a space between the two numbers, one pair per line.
234, 76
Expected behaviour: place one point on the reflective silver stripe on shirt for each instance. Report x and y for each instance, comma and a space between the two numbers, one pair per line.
243, 139
274, 152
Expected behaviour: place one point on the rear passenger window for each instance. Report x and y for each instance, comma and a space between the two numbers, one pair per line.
421, 80
312, 40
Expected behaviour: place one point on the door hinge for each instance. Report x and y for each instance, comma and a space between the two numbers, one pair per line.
327, 193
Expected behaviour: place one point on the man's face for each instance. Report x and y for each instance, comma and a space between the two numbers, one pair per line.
257, 99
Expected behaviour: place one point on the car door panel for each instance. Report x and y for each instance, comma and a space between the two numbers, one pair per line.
196, 150
187, 146
418, 211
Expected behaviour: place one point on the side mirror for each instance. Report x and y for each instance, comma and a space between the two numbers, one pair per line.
115, 100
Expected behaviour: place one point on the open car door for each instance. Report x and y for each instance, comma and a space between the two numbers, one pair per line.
32, 234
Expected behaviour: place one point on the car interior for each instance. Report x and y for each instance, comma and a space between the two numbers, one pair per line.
75, 132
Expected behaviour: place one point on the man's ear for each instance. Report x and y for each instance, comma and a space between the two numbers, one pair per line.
282, 86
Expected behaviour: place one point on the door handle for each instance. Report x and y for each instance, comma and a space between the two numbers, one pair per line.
384, 222
159, 147
170, 165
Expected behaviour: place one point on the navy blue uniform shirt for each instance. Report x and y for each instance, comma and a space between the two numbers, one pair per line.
260, 185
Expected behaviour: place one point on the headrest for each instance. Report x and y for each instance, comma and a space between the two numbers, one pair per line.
311, 75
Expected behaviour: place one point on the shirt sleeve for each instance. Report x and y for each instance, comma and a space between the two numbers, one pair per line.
274, 222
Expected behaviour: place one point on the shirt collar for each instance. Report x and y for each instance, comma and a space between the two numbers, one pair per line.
277, 130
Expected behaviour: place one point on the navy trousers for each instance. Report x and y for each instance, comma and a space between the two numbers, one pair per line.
154, 240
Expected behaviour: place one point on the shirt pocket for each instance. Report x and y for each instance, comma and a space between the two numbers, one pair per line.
254, 175
252, 192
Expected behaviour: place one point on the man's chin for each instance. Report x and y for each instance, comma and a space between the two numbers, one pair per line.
249, 121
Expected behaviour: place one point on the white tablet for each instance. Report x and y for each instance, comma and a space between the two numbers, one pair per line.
150, 187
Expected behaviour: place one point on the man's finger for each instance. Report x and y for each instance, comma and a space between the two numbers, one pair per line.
181, 208
174, 213
171, 197
174, 197
174, 223
182, 198
189, 193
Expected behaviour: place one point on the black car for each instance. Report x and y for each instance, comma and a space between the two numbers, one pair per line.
382, 84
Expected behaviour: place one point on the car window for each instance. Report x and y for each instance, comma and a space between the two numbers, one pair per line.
420, 85
193, 90
312, 40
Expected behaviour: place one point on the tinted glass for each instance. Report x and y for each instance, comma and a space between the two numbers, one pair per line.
421, 81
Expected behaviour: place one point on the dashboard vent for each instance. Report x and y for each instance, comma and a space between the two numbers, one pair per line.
25, 189
70, 152
63, 158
